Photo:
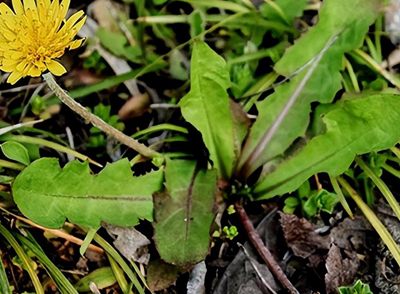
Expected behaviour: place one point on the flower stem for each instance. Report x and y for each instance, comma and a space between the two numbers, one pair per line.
96, 121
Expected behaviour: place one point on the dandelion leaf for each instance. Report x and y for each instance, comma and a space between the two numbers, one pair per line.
349, 20
356, 127
184, 213
207, 108
47, 194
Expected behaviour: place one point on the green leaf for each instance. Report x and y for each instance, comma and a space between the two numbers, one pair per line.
184, 213
102, 277
197, 21
320, 200
48, 195
158, 2
33, 151
16, 151
206, 106
88, 239
6, 180
347, 19
118, 45
177, 67
356, 127
358, 288
283, 10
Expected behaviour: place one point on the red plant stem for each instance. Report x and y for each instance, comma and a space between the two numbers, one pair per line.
263, 250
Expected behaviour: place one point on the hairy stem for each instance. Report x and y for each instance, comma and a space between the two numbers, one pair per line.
98, 122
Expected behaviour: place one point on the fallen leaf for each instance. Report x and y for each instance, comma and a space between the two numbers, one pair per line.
300, 235
134, 107
341, 271
161, 275
131, 243
351, 233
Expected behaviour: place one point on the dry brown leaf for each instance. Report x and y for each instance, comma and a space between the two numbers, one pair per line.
134, 107
341, 270
131, 243
161, 275
300, 235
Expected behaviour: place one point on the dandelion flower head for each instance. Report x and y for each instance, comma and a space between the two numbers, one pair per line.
34, 35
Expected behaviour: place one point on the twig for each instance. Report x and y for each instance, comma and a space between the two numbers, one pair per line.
19, 89
263, 250
57, 233
98, 122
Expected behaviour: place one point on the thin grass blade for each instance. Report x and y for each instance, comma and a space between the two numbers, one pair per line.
26, 261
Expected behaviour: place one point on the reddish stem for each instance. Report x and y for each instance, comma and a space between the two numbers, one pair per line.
263, 250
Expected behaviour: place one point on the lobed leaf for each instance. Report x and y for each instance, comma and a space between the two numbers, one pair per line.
48, 195
356, 127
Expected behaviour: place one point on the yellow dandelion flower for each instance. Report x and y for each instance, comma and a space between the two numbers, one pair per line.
34, 35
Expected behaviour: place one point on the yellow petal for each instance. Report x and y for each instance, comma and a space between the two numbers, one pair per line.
14, 77
56, 68
72, 20
55, 8
9, 35
46, 3
75, 44
18, 8
21, 66
34, 72
9, 66
4, 9
64, 8
17, 55
30, 4
76, 28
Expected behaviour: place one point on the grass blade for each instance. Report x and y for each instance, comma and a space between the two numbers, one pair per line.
381, 186
52, 145
119, 275
4, 284
57, 276
342, 199
373, 219
26, 261
125, 267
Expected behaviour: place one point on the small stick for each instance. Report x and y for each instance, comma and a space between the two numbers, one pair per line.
98, 122
57, 233
263, 250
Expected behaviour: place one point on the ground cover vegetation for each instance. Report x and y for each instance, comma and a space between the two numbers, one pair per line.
199, 146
